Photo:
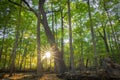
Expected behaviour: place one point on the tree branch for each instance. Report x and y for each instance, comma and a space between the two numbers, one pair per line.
17, 4
100, 34
52, 11
31, 9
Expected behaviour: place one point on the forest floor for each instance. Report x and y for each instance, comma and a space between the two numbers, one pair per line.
87, 75
28, 76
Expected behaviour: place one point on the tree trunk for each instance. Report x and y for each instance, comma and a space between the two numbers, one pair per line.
70, 39
5, 59
105, 41
93, 36
24, 65
52, 18
58, 60
56, 32
62, 34
20, 42
39, 63
30, 61
1, 49
23, 57
82, 56
104, 37
13, 53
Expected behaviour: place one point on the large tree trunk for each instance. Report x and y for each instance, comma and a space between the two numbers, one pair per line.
58, 60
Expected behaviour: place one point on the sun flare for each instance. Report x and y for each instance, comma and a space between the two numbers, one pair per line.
48, 54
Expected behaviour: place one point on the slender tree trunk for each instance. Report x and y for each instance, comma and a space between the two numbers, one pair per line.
70, 39
52, 18
87, 63
93, 36
62, 34
30, 61
39, 63
23, 57
56, 37
5, 59
112, 28
82, 56
105, 41
13, 54
1, 49
104, 37
20, 42
56, 40
24, 65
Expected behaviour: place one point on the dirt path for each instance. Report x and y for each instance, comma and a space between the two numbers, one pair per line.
50, 77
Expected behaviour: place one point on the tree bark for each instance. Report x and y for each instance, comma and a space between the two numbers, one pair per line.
93, 36
62, 34
105, 41
39, 63
70, 39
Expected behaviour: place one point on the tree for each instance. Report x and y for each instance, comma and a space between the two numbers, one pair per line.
13, 53
70, 40
92, 34
1, 49
39, 64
